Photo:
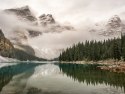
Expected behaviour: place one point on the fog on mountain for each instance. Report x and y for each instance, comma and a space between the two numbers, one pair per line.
45, 37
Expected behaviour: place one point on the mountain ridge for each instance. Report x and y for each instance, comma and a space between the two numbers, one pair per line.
113, 27
44, 21
8, 50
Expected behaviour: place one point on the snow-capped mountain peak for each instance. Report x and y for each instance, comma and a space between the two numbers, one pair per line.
113, 27
46, 19
115, 22
25, 7
23, 13
30, 27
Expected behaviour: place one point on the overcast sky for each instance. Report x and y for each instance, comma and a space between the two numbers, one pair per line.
71, 10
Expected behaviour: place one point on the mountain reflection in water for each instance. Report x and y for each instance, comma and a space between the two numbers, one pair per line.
41, 78
7, 73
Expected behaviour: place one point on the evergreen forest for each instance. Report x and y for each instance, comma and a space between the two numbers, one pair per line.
96, 50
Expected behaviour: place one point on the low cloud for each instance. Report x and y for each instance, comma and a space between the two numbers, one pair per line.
81, 14
49, 43
73, 11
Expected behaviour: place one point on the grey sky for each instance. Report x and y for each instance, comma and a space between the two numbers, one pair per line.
71, 10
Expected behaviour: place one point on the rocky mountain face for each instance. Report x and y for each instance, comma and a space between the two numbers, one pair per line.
45, 23
115, 22
23, 13
46, 19
114, 26
8, 50
6, 47
21, 35
52, 26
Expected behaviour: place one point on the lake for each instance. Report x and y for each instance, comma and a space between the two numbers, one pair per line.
57, 78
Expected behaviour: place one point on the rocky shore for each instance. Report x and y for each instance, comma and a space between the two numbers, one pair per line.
109, 65
118, 67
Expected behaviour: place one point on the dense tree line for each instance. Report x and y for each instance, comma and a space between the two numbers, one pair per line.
96, 50
123, 46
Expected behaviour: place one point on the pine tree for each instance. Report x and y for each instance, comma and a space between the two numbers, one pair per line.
123, 45
93, 50
117, 54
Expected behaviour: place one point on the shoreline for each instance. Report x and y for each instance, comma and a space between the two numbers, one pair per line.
109, 65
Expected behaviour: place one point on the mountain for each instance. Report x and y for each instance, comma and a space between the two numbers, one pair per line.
23, 13
113, 27
6, 47
35, 26
7, 50
32, 28
21, 35
46, 19
25, 48
48, 53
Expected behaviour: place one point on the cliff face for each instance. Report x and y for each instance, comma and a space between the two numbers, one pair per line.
31, 26
7, 50
6, 47
23, 13
113, 27
46, 19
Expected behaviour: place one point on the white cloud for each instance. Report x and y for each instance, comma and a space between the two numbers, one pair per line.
73, 11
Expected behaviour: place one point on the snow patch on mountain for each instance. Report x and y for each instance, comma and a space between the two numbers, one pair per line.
113, 27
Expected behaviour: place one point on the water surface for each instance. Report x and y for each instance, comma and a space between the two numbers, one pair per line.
42, 78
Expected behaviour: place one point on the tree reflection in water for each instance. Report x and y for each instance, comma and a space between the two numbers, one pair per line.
90, 74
